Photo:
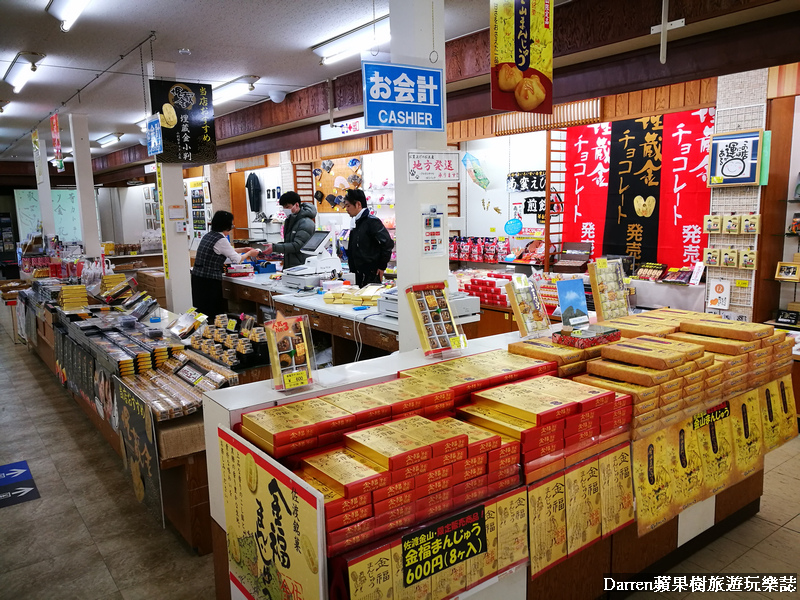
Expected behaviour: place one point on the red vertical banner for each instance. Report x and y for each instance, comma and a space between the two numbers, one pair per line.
685, 198
586, 184
55, 132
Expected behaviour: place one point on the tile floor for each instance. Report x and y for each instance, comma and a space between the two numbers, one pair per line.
87, 538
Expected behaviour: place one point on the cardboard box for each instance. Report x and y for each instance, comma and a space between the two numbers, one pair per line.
347, 473
509, 447
730, 361
687, 368
582, 435
642, 355
775, 338
585, 397
536, 453
411, 471
643, 407
705, 361
348, 518
512, 532
646, 418
366, 408
665, 399
671, 386
495, 475
629, 373
338, 536
717, 344
283, 450
633, 328
517, 400
575, 425
616, 489
394, 489
584, 512
324, 415
669, 409
638, 393
691, 390
761, 353
384, 517
503, 484
713, 381
714, 369
472, 484
735, 330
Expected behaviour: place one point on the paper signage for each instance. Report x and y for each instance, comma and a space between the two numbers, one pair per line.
186, 115
342, 129
37, 157
424, 166
55, 133
719, 294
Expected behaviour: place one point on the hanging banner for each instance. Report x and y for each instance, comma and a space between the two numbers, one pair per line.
632, 215
55, 133
521, 46
274, 525
155, 139
685, 197
186, 113
37, 157
586, 184
160, 198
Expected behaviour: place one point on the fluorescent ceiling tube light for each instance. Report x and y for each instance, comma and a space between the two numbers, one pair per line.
373, 34
22, 69
233, 89
66, 11
109, 140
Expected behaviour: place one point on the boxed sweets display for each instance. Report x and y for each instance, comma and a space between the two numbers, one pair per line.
433, 318
608, 289
291, 351
712, 224
527, 305
592, 336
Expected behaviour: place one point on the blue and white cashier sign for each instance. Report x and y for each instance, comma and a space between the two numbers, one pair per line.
402, 97
155, 143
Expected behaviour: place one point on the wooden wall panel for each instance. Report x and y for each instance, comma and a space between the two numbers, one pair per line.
699, 93
239, 205
784, 81
348, 91
677, 94
708, 90
692, 96
467, 56
635, 102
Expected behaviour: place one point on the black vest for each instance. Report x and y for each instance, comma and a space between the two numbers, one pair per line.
208, 263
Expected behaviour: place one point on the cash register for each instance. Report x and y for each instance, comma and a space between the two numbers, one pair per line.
319, 265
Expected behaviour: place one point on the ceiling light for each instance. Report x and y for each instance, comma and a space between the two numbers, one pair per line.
66, 11
142, 125
185, 51
22, 69
3, 103
109, 140
277, 96
373, 34
233, 89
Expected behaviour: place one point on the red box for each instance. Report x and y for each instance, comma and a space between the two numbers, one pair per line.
393, 514
504, 484
394, 502
582, 445
468, 486
467, 474
348, 518
542, 441
400, 523
340, 535
431, 476
471, 462
470, 497
503, 463
543, 451
425, 514
534, 433
616, 418
350, 543
580, 427
543, 461
433, 499
434, 487
283, 450
586, 342
508, 448
343, 505
583, 435
394, 489
503, 473
332, 437
410, 471
435, 409
448, 459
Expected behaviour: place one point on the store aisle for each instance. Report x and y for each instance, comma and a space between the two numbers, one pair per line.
86, 538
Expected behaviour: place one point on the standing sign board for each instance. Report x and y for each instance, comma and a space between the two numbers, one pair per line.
424, 167
275, 525
186, 113
138, 433
402, 97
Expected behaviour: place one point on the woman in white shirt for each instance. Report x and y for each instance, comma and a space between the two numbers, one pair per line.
212, 254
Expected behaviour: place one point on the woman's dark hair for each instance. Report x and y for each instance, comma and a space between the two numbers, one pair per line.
288, 199
353, 196
222, 221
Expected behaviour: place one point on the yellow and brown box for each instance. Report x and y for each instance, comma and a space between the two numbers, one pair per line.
544, 349
449, 582
669, 409
687, 470
713, 381
691, 390
346, 472
442, 439
644, 431
418, 591
734, 382
643, 407
715, 440
646, 418
717, 344
671, 386
715, 368
366, 407
629, 373
747, 433
692, 351
759, 363
639, 393
633, 328
547, 514
512, 530
279, 425
642, 355
735, 330
584, 515
669, 397
325, 415
370, 574
390, 448
763, 352
653, 480
616, 489
704, 361
787, 408
694, 377
484, 566
494, 420
730, 361
572, 369
775, 338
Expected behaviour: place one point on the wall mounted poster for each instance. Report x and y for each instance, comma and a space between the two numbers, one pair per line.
601, 205
735, 158
186, 112
273, 521
521, 46
572, 300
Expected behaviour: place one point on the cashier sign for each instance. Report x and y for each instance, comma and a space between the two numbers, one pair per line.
402, 97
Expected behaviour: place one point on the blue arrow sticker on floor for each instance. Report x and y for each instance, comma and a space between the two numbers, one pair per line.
16, 484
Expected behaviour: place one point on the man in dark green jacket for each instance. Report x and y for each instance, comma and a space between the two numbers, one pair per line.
297, 230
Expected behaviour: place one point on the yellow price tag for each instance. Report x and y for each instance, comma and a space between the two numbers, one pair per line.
673, 270
602, 263
458, 341
231, 326
492, 229
295, 379
626, 280
742, 283
501, 239
717, 179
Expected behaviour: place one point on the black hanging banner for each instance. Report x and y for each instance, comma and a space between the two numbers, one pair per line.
631, 225
526, 181
186, 112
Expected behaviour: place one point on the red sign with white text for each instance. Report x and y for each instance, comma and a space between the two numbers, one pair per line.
56, 135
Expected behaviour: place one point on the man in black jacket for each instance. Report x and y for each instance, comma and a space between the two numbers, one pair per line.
369, 247
297, 230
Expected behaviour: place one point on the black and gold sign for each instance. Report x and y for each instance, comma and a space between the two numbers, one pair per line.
186, 112
632, 212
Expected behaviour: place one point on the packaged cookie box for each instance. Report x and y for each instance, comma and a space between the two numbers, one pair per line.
720, 345
592, 336
291, 351
433, 318
527, 305
734, 330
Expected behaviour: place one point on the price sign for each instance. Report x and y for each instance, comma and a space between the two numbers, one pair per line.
458, 341
602, 263
626, 280
231, 326
295, 379
742, 283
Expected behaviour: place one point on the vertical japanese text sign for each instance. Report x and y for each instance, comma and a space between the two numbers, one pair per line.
55, 133
186, 113
521, 47
402, 97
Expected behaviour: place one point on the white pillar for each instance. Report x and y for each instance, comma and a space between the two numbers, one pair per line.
176, 254
415, 30
45, 195
84, 180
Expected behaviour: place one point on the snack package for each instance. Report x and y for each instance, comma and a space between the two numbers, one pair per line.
434, 320
527, 305
291, 351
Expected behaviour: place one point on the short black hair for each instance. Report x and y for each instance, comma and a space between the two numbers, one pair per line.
288, 199
222, 221
353, 196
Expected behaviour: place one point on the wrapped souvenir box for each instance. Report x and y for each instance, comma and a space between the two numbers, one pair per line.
588, 338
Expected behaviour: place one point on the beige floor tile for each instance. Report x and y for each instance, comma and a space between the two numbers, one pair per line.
756, 562
718, 554
791, 468
174, 587
775, 459
794, 524
54, 495
752, 531
784, 545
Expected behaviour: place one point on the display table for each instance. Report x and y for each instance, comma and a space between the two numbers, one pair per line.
621, 552
653, 294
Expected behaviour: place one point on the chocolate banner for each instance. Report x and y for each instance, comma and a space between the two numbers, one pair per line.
632, 211
186, 112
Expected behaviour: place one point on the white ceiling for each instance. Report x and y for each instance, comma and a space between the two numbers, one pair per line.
227, 39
